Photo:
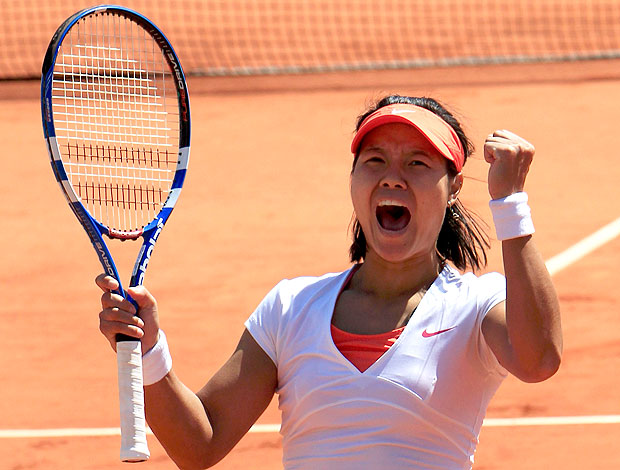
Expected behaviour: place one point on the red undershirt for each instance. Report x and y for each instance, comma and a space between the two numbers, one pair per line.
363, 350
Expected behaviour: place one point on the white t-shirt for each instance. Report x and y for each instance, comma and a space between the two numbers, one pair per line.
419, 406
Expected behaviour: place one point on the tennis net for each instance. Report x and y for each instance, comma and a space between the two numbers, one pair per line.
247, 37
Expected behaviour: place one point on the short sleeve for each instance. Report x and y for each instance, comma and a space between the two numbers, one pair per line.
491, 291
264, 322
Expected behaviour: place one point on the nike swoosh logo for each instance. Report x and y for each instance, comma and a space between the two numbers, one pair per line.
426, 334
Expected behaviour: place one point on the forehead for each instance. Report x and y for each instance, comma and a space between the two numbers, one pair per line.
398, 136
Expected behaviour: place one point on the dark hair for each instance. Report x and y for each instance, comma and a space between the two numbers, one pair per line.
462, 239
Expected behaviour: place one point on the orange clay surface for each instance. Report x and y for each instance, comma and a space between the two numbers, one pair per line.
266, 198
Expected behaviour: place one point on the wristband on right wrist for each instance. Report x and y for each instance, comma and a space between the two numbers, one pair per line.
512, 216
157, 362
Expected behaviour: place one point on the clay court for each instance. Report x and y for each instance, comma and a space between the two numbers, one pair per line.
266, 198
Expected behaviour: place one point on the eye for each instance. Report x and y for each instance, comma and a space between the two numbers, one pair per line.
418, 162
373, 159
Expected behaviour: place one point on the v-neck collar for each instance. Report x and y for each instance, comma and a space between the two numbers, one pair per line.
420, 313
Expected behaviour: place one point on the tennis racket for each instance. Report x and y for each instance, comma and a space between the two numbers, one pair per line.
116, 119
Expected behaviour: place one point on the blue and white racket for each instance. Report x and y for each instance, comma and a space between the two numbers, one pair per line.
116, 119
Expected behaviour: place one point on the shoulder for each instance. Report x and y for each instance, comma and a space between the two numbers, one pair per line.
486, 281
306, 287
288, 305
453, 279
485, 289
292, 295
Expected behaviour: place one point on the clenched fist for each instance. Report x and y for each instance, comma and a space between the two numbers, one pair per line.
510, 157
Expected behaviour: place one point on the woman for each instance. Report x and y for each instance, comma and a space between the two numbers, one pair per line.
395, 360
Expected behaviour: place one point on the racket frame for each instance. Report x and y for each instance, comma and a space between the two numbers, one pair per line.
131, 451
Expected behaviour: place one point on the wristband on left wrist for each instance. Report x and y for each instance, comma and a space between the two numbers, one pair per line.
512, 216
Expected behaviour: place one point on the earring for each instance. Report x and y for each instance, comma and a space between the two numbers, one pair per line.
453, 212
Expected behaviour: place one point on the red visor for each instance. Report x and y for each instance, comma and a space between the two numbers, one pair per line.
438, 132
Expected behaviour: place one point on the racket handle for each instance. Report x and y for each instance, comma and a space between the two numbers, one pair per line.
134, 447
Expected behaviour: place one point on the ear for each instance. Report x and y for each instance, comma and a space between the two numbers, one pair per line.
455, 188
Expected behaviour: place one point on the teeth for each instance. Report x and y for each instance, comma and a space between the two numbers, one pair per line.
389, 202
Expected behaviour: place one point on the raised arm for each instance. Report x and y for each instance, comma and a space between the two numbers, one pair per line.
196, 429
524, 332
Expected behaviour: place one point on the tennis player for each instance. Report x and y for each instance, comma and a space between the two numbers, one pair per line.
393, 361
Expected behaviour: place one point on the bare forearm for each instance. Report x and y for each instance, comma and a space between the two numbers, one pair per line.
179, 421
532, 310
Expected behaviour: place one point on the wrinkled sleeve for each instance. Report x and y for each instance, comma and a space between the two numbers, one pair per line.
491, 291
264, 322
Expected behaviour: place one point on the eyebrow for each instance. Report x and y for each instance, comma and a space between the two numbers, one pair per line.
381, 150
373, 148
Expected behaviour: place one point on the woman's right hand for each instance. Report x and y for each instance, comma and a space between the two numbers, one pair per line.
118, 315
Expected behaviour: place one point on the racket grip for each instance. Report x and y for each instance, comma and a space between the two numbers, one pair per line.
134, 447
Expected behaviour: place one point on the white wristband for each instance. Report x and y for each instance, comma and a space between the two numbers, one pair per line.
157, 362
512, 216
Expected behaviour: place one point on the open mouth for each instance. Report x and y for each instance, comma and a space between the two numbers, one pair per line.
392, 215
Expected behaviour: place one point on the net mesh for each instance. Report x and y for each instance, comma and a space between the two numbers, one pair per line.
116, 117
232, 37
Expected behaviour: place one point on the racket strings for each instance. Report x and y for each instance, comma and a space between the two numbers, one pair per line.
124, 197
117, 120
93, 167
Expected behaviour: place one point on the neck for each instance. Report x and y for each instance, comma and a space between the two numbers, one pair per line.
386, 279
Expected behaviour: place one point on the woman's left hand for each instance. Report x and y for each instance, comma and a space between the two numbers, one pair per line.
510, 157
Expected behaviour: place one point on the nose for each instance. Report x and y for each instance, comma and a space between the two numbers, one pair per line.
393, 179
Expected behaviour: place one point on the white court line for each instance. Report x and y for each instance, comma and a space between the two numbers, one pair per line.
584, 247
551, 421
554, 265
273, 428
99, 432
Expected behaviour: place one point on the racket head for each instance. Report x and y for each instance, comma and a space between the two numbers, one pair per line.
116, 118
